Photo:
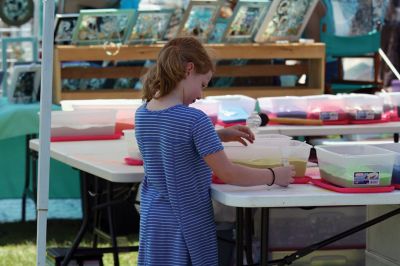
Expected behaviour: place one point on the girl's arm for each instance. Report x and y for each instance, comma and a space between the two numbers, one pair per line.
240, 175
236, 133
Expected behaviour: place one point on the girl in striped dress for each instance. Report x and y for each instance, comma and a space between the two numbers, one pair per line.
180, 149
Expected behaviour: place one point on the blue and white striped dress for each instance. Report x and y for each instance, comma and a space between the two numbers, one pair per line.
177, 221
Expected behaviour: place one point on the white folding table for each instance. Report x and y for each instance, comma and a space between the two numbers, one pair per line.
96, 159
105, 160
292, 130
264, 197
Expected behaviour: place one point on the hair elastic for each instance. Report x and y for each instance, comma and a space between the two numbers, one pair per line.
273, 176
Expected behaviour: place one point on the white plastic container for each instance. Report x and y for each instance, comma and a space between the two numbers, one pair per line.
328, 108
126, 108
131, 143
266, 153
389, 106
286, 106
233, 108
355, 165
209, 107
292, 152
298, 153
82, 123
394, 147
362, 108
226, 101
253, 155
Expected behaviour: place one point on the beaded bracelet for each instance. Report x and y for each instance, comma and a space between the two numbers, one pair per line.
273, 176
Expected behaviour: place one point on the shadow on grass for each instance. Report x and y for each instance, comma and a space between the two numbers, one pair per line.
18, 242
59, 233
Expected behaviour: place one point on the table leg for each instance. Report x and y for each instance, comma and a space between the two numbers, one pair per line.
249, 240
264, 236
111, 224
239, 236
96, 212
85, 220
34, 177
30, 159
27, 177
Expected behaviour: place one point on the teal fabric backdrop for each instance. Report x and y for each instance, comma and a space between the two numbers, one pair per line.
16, 121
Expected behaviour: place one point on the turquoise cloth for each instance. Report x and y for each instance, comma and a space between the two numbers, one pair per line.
16, 121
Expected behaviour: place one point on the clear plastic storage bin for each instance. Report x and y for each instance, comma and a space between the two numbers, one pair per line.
287, 106
264, 153
82, 123
394, 147
234, 108
363, 108
395, 102
355, 165
389, 109
125, 109
293, 152
131, 143
328, 108
209, 107
256, 156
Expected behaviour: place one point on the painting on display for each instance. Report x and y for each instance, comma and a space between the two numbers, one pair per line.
64, 25
198, 20
245, 20
16, 50
150, 26
285, 20
217, 34
100, 26
25, 82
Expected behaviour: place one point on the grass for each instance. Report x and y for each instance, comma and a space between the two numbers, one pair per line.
18, 242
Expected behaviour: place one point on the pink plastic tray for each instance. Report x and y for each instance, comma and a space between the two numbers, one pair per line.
297, 180
322, 183
131, 161
82, 138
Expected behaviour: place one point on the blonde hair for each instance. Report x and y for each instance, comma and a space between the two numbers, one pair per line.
170, 67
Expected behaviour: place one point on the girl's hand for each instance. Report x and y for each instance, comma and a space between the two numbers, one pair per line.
236, 133
284, 175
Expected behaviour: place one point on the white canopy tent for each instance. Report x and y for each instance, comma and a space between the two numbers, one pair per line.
44, 128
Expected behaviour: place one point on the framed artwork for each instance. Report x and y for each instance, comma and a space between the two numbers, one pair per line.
25, 82
245, 20
150, 26
285, 20
99, 26
198, 20
14, 50
64, 25
218, 31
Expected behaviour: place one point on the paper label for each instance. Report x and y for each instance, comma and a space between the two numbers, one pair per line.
366, 178
329, 116
365, 115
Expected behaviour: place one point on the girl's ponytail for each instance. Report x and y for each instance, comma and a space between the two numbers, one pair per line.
169, 70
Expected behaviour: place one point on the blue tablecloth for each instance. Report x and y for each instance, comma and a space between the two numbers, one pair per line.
16, 121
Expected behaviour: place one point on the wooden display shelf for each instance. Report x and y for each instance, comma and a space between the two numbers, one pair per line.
311, 58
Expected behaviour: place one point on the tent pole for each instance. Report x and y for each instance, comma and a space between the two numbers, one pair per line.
44, 130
